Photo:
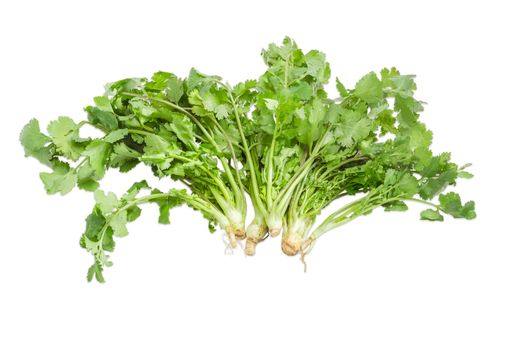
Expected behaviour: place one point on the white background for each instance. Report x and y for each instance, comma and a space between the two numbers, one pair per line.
386, 281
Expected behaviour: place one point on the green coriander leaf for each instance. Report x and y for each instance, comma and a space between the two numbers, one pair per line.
157, 152
436, 165
88, 185
210, 101
271, 104
353, 128
396, 206
133, 213
101, 117
106, 202
124, 85
34, 142
118, 223
183, 128
302, 90
317, 66
369, 88
341, 88
103, 103
386, 121
62, 180
86, 178
436, 185
116, 135
137, 138
222, 111
98, 152
108, 243
94, 225
166, 203
465, 175
312, 118
408, 185
451, 204
65, 135
167, 83
265, 123
407, 108
196, 78
124, 157
95, 271
419, 137
431, 215
175, 89
134, 190
142, 108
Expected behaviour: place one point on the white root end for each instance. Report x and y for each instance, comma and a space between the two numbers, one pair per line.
231, 236
274, 232
307, 245
250, 246
240, 233
293, 236
290, 247
302, 259
255, 233
274, 223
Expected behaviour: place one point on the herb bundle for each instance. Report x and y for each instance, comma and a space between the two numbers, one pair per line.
279, 139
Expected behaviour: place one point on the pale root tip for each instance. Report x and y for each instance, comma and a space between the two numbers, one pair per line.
233, 240
240, 233
231, 237
306, 244
274, 232
250, 247
290, 248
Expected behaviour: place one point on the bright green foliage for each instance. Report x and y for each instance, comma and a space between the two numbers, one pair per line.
61, 180
369, 89
280, 139
35, 143
111, 215
432, 215
65, 136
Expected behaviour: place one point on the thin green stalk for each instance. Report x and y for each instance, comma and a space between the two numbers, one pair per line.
298, 173
284, 195
252, 169
283, 199
341, 216
195, 120
334, 221
237, 186
224, 203
217, 180
421, 201
208, 208
270, 168
139, 132
341, 164
293, 206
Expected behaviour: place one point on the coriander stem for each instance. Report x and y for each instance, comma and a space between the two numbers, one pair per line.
195, 120
254, 183
270, 167
139, 132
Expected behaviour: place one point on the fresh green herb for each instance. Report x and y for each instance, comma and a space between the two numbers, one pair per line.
280, 139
